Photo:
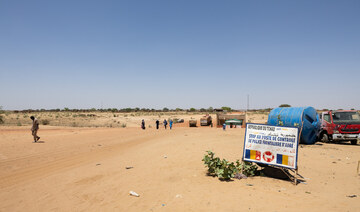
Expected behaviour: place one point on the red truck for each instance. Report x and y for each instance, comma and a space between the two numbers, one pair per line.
340, 125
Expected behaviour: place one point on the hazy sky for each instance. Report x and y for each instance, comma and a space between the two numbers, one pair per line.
155, 54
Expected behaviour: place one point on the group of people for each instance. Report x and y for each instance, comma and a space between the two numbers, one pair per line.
165, 122
35, 126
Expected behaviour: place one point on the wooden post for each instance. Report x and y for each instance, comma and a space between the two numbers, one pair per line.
242, 167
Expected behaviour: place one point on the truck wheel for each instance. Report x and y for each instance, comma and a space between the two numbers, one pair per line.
353, 142
325, 138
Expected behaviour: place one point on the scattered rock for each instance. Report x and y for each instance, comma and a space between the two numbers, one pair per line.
129, 167
133, 193
98, 164
249, 184
352, 196
240, 176
308, 192
178, 196
165, 156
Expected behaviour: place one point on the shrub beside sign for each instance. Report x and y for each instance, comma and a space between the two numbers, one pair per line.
272, 145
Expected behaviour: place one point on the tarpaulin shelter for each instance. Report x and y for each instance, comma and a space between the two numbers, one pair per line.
234, 122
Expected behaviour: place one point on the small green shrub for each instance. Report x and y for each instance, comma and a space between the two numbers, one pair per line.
45, 122
1, 117
123, 125
226, 170
284, 105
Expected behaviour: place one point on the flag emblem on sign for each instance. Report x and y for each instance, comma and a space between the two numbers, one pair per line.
252, 154
268, 156
285, 160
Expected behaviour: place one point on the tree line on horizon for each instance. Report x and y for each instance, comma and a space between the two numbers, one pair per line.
125, 110
137, 109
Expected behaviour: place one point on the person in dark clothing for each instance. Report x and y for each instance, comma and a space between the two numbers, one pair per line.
165, 123
35, 128
157, 124
143, 124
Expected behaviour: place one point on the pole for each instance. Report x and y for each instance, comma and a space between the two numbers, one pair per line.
247, 108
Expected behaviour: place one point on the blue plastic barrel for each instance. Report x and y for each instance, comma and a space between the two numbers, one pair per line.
301, 117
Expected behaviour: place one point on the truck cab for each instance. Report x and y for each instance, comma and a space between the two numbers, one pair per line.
339, 126
205, 120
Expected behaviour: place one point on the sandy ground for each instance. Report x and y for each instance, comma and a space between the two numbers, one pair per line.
84, 169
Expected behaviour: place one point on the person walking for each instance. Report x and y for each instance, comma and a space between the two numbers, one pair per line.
165, 123
157, 124
143, 124
224, 126
35, 128
170, 123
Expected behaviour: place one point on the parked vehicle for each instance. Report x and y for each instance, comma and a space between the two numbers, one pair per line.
206, 120
192, 123
177, 120
180, 121
339, 126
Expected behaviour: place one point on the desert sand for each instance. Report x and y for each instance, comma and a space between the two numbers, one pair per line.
84, 169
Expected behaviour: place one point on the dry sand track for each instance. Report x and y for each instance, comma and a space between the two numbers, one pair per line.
83, 169
22, 168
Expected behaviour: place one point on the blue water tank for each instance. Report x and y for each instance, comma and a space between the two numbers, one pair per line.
301, 117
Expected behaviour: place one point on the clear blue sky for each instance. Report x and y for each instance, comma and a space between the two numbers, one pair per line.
155, 54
